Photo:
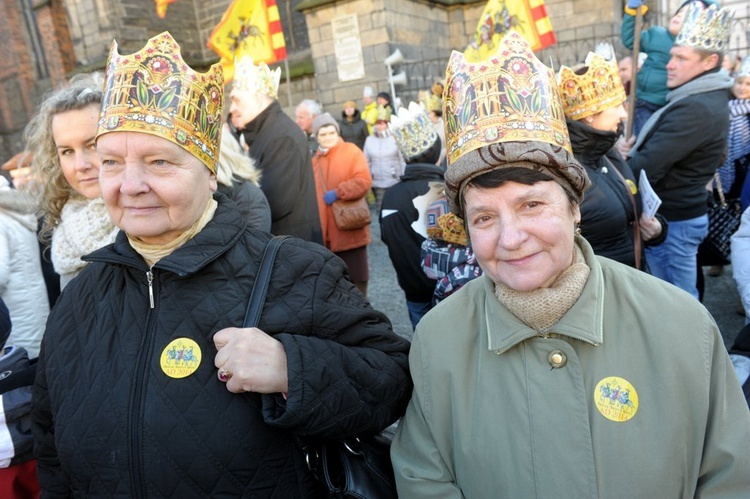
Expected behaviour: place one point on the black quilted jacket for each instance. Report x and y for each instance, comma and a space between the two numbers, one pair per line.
108, 421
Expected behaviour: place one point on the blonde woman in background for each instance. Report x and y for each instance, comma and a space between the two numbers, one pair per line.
66, 167
240, 181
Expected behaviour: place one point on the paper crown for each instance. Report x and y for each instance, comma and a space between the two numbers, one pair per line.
599, 88
705, 28
511, 96
384, 113
154, 91
432, 102
256, 78
412, 130
744, 70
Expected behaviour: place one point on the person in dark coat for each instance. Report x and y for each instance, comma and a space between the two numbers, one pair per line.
611, 215
280, 151
403, 228
682, 144
353, 127
148, 385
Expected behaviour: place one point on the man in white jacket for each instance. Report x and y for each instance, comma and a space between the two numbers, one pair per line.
22, 284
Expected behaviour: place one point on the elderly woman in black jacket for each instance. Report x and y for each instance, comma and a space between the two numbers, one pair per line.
148, 385
611, 215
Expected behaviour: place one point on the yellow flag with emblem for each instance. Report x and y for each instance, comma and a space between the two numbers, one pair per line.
528, 17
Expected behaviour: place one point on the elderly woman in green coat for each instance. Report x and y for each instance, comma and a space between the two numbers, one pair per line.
558, 373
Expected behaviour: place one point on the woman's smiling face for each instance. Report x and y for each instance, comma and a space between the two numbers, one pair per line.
522, 235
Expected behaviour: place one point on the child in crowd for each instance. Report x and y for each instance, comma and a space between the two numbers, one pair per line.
656, 42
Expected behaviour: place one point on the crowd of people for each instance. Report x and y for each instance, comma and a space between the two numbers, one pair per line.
518, 220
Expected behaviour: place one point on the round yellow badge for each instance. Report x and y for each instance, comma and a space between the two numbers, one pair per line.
180, 358
631, 185
616, 399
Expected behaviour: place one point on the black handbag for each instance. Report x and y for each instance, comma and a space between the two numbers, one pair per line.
356, 467
723, 222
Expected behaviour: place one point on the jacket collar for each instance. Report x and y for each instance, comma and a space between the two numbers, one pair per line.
217, 236
253, 128
583, 322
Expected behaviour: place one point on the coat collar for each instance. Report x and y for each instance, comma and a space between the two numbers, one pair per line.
583, 322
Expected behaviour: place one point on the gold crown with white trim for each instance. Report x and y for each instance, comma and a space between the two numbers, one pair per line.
413, 130
705, 28
509, 97
256, 78
154, 91
599, 88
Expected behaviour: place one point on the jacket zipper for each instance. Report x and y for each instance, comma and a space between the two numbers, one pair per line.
137, 395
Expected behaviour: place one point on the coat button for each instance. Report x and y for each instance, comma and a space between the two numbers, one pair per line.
557, 359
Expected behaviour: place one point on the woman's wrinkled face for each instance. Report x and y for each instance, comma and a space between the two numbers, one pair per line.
153, 189
327, 136
74, 134
609, 119
741, 88
522, 235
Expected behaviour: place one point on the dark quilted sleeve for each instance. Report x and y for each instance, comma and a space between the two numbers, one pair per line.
51, 478
349, 373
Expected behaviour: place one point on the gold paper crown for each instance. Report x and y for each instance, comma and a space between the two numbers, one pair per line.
705, 28
256, 78
384, 113
599, 88
511, 96
412, 130
154, 91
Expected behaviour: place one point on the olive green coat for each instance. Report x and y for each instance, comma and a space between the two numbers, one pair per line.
499, 411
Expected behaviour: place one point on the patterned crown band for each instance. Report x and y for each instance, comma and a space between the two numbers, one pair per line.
154, 91
413, 131
592, 92
256, 78
705, 28
511, 96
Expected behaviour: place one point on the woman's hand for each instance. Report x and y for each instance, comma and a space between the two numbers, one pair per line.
650, 227
250, 361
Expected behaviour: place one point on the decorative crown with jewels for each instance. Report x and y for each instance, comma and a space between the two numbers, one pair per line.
599, 88
154, 91
705, 28
412, 130
256, 78
511, 96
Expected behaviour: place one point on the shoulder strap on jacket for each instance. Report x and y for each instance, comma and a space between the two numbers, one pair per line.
260, 287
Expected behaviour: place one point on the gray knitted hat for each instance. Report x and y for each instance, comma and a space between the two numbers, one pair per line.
322, 120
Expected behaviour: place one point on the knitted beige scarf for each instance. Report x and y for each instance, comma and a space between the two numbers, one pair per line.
152, 253
541, 308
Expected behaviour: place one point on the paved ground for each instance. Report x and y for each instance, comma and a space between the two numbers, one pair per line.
721, 296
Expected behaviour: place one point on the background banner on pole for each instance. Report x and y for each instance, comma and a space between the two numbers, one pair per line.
248, 27
161, 7
528, 17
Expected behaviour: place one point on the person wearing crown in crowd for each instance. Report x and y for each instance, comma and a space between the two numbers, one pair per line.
402, 216
434, 105
383, 156
147, 384
733, 172
279, 148
611, 217
681, 145
556, 370
65, 169
341, 173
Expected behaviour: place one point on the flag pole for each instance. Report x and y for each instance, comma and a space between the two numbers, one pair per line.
288, 80
634, 74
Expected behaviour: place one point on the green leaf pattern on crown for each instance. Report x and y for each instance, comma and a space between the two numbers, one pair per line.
153, 91
511, 96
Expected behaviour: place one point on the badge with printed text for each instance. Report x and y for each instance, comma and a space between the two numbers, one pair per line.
616, 399
180, 358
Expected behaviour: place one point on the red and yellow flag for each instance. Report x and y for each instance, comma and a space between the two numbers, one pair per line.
161, 7
528, 17
251, 27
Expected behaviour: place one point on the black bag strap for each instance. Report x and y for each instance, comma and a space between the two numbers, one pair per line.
260, 286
